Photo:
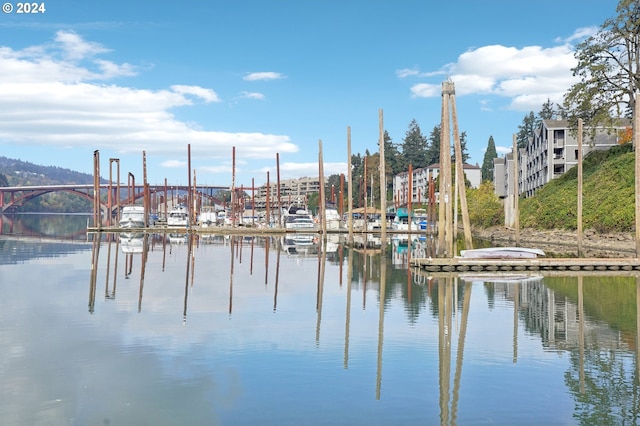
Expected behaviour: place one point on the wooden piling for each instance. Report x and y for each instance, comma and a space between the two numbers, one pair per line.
516, 195
189, 192
350, 187
579, 218
280, 223
233, 186
383, 183
96, 189
460, 185
267, 202
322, 192
145, 194
636, 147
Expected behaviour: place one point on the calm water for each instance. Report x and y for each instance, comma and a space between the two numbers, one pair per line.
170, 330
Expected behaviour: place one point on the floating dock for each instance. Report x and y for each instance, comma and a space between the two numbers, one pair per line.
460, 264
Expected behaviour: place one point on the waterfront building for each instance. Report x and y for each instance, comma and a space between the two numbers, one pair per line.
551, 152
420, 183
291, 190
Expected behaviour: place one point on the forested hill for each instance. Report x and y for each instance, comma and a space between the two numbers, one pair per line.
19, 173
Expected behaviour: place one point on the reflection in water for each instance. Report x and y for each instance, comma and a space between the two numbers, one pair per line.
595, 345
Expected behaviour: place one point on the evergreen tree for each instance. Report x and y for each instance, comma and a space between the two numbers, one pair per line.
392, 156
463, 149
526, 129
3, 180
609, 71
414, 147
548, 111
487, 163
433, 149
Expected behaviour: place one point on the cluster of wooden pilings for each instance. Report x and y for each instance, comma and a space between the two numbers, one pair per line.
237, 201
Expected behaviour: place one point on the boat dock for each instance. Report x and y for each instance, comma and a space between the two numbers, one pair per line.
460, 264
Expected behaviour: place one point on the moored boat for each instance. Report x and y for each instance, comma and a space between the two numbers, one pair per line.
502, 253
178, 216
132, 217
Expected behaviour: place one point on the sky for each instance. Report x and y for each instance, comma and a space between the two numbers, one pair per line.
148, 82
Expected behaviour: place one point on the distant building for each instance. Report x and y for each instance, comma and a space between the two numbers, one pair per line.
551, 152
290, 191
420, 183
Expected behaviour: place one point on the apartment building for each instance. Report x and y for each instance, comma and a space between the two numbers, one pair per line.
420, 183
551, 152
290, 191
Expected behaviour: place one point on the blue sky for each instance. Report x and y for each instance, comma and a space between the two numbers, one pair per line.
268, 77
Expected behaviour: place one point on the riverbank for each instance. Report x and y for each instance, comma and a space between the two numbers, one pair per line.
564, 243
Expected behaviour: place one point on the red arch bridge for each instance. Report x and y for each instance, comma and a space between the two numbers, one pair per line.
13, 197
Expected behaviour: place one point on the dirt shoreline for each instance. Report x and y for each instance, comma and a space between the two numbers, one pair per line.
564, 243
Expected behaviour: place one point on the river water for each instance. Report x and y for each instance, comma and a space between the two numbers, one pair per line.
174, 329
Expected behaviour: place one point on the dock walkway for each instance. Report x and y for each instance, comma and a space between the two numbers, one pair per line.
459, 264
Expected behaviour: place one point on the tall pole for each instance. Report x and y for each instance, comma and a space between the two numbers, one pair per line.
145, 195
341, 196
233, 185
96, 189
516, 213
364, 187
383, 184
579, 218
190, 211
165, 199
410, 198
445, 241
267, 203
636, 145
280, 224
110, 193
460, 186
118, 199
322, 192
350, 187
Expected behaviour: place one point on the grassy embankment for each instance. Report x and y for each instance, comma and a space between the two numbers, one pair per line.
608, 197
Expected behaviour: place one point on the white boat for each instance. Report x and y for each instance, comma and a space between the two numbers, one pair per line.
132, 217
301, 221
401, 221
502, 253
333, 219
178, 216
207, 218
298, 217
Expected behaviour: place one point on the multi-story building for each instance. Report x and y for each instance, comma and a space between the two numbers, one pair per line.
551, 152
420, 183
291, 190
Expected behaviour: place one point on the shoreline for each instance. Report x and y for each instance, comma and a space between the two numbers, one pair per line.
564, 243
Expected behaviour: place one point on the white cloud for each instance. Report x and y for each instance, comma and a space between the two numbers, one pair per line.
263, 76
55, 95
252, 95
502, 150
174, 164
207, 94
74, 47
527, 76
